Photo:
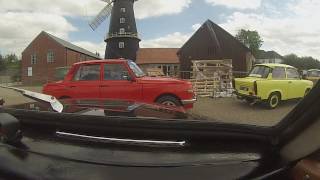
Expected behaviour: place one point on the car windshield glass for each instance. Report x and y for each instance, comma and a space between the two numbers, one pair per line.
219, 62
135, 68
260, 71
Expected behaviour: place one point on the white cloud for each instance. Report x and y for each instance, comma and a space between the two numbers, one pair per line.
174, 40
236, 4
151, 8
18, 29
195, 27
21, 21
296, 33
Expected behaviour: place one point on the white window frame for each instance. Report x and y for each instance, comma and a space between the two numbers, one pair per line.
50, 57
33, 59
121, 45
123, 10
29, 72
122, 20
122, 31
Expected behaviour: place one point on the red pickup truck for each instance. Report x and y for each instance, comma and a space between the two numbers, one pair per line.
120, 79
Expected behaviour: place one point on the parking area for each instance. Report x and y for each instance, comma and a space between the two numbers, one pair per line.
229, 110
232, 110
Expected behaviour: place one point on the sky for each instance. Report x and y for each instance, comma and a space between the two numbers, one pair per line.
286, 26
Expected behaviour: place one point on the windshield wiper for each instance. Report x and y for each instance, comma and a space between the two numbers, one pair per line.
55, 104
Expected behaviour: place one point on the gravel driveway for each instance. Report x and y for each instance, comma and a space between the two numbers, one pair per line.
232, 110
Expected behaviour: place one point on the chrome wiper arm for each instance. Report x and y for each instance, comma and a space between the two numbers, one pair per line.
55, 104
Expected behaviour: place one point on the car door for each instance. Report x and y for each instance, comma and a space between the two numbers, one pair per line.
85, 82
119, 83
279, 81
296, 87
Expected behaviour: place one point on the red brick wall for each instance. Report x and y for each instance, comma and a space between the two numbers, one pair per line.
42, 71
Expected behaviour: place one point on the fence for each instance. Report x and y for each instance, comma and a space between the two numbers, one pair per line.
191, 74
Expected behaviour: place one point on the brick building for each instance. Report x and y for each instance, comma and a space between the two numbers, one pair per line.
45, 54
164, 59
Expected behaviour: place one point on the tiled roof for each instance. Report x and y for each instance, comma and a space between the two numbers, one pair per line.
268, 55
157, 56
72, 46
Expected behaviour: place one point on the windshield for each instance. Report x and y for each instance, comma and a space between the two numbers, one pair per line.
260, 71
135, 68
213, 61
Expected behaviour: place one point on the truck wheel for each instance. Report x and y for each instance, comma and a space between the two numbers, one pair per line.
274, 100
169, 101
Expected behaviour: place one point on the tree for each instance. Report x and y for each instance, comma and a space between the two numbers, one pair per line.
302, 63
251, 39
2, 63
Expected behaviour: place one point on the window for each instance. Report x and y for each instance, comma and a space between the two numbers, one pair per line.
123, 10
33, 59
88, 73
29, 71
122, 31
121, 45
82, 57
50, 57
292, 73
115, 72
314, 73
122, 20
279, 73
260, 72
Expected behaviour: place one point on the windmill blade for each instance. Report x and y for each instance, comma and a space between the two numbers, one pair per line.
103, 14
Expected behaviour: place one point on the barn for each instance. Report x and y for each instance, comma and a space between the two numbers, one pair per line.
211, 42
47, 53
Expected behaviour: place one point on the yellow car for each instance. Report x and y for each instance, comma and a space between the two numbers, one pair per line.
272, 83
313, 75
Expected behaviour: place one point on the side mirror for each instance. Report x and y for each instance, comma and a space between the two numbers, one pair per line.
9, 129
126, 76
2, 101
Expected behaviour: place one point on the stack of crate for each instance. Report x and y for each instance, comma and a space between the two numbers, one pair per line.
212, 78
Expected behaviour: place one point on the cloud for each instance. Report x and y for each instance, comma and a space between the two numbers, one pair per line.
17, 29
153, 8
297, 33
174, 40
196, 26
21, 21
236, 4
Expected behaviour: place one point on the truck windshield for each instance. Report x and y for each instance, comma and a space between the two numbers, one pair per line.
135, 68
260, 71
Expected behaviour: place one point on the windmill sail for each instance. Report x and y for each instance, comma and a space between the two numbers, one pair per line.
103, 14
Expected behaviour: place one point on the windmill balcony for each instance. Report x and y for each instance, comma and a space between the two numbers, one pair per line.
121, 35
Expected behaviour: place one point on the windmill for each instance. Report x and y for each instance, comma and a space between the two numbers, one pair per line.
122, 39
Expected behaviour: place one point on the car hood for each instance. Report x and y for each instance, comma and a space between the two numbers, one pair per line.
109, 107
147, 79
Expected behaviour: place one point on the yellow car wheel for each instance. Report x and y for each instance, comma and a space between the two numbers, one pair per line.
274, 100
